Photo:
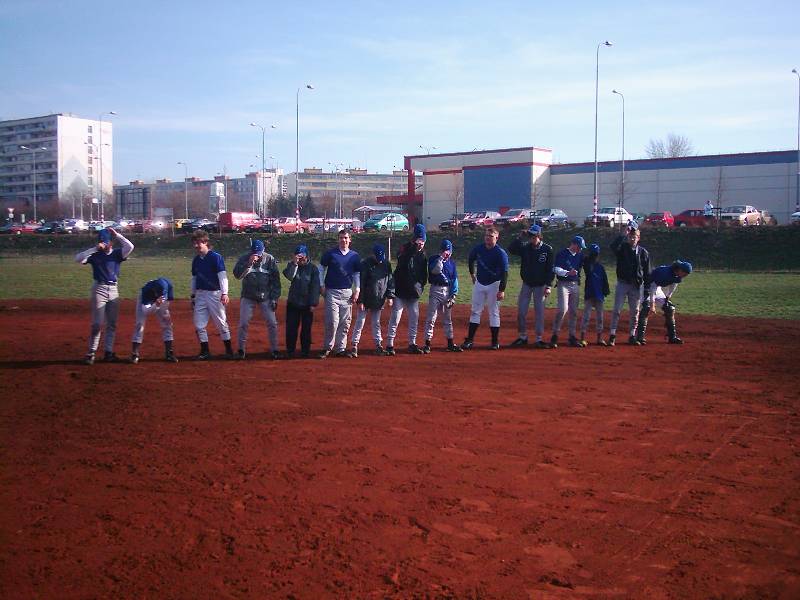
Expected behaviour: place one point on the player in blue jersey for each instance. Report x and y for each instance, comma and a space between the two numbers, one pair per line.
105, 261
261, 288
443, 279
489, 286
339, 270
154, 298
595, 292
209, 294
567, 267
660, 285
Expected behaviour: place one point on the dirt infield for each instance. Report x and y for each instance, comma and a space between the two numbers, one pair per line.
657, 472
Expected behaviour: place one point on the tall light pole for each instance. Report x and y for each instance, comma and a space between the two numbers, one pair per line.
596, 104
102, 199
185, 187
622, 176
33, 152
797, 182
297, 155
263, 163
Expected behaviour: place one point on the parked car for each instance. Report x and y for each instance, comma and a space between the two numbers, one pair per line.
387, 221
740, 215
18, 228
453, 222
662, 218
289, 225
550, 217
260, 226
795, 218
767, 218
480, 219
692, 217
194, 224
75, 225
609, 216
513, 215
179, 223
235, 221
51, 227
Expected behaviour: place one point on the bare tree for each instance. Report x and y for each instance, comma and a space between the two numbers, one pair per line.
674, 146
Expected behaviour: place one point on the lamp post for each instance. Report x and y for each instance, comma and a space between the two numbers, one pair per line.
297, 155
102, 199
596, 103
33, 152
797, 182
428, 148
622, 176
185, 187
263, 164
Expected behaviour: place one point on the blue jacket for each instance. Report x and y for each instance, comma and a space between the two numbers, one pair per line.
492, 265
596, 286
567, 261
443, 272
663, 276
155, 289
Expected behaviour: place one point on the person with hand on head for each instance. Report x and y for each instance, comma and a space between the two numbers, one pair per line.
209, 294
660, 286
105, 261
261, 287
443, 279
489, 286
536, 270
567, 268
302, 300
377, 289
633, 266
154, 298
339, 270
594, 294
410, 277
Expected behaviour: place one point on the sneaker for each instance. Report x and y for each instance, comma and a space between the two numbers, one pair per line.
324, 354
204, 356
519, 343
170, 357
275, 355
89, 359
110, 357
675, 340
642, 341
414, 349
342, 354
494, 347
632, 341
451, 347
353, 352
601, 342
583, 343
389, 351
553, 342
134, 359
612, 340
541, 345
468, 344
426, 349
574, 343
379, 351
241, 354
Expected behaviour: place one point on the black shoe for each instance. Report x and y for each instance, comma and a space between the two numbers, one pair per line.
574, 343
170, 357
324, 354
601, 342
342, 354
204, 356
553, 342
353, 352
675, 340
468, 344
451, 347
612, 340
275, 355
110, 357
519, 343
305, 354
632, 341
414, 349
241, 354
89, 359
134, 359
426, 349
390, 351
494, 347
541, 345
642, 341
379, 351
231, 355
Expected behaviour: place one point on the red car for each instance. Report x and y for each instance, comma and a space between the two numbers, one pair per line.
693, 217
660, 219
18, 228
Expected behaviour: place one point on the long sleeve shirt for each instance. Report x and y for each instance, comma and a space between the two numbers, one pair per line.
105, 265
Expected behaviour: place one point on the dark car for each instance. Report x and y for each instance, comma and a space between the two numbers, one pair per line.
453, 222
550, 217
262, 226
195, 224
52, 227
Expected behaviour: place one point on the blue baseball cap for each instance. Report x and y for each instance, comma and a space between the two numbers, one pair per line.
301, 249
419, 232
104, 235
257, 247
535, 230
380, 252
446, 245
683, 265
594, 249
579, 241
633, 224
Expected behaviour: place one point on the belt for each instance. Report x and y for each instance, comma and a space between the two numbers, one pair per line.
105, 282
565, 280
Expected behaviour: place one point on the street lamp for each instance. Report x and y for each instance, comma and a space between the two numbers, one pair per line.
297, 156
33, 152
263, 165
797, 183
102, 204
185, 187
622, 177
428, 148
596, 90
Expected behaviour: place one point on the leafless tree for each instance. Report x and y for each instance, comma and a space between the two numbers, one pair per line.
674, 146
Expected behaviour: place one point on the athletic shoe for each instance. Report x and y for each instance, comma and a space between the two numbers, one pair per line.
353, 352
675, 340
574, 343
642, 341
241, 354
494, 347
541, 345
324, 354
231, 355
601, 342
519, 343
583, 343
170, 357
414, 349
204, 356
632, 341
451, 347
305, 355
389, 351
379, 351
468, 344
426, 349
275, 355
612, 340
134, 359
88, 359
553, 342
342, 354
110, 357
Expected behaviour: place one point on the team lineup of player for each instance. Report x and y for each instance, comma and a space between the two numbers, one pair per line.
346, 282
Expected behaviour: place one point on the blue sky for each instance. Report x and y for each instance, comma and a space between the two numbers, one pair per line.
188, 77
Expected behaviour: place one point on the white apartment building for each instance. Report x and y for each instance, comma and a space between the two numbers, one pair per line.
62, 155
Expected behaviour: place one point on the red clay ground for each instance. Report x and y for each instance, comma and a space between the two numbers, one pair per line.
660, 472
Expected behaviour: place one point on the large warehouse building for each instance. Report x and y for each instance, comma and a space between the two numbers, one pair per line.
526, 177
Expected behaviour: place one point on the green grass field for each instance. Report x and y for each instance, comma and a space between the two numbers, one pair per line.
764, 295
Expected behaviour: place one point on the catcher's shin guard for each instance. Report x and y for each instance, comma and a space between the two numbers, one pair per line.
641, 326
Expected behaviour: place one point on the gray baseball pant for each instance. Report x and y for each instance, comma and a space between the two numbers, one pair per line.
338, 314
162, 314
246, 308
568, 299
208, 305
523, 304
437, 302
588, 305
413, 320
375, 319
633, 294
105, 310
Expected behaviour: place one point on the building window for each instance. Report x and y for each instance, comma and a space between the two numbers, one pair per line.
89, 181
90, 129
90, 139
90, 170
89, 149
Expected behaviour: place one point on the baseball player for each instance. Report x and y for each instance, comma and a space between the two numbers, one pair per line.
261, 287
209, 294
443, 277
105, 261
633, 265
301, 302
594, 294
536, 270
377, 289
660, 286
489, 285
410, 277
567, 267
154, 298
339, 270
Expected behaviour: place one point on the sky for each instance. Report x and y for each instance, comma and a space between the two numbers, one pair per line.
187, 78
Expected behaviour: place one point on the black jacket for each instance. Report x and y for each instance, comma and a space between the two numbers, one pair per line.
304, 289
377, 283
633, 264
411, 273
536, 267
263, 282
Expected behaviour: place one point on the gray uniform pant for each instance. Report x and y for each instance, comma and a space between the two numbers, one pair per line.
523, 303
361, 318
161, 311
246, 308
588, 305
105, 309
633, 294
437, 302
568, 299
413, 319
338, 314
208, 305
